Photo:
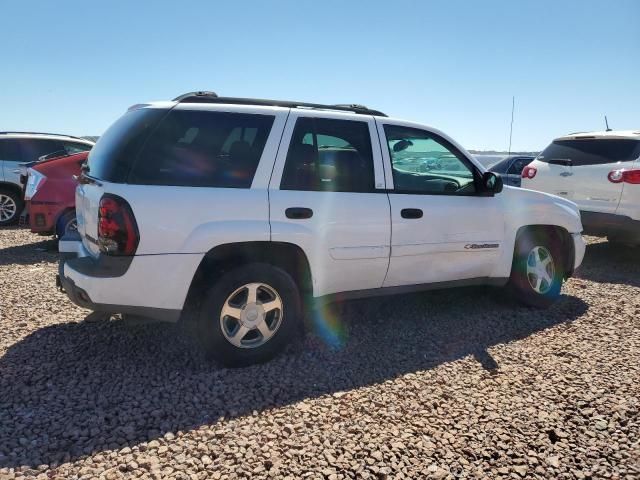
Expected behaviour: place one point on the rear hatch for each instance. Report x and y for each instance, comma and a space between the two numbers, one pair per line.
577, 168
108, 163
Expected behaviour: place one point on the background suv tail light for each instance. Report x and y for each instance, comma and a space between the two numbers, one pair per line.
117, 228
626, 176
529, 172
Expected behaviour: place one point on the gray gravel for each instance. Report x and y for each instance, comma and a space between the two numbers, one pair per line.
451, 384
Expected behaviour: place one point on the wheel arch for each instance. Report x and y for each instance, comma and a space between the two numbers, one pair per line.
4, 185
222, 258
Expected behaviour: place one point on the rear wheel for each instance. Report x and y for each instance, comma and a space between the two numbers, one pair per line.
67, 223
11, 205
249, 315
537, 272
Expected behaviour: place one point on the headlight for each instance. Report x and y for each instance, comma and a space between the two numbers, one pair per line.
34, 181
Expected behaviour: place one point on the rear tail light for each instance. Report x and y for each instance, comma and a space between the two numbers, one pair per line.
626, 176
529, 172
117, 228
35, 180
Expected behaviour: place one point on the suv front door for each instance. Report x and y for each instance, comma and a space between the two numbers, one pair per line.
327, 195
444, 229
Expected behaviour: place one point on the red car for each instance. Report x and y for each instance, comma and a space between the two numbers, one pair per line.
50, 194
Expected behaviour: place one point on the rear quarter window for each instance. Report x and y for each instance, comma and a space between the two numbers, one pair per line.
591, 151
199, 148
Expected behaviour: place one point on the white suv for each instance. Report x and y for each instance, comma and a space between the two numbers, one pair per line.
19, 147
600, 172
246, 210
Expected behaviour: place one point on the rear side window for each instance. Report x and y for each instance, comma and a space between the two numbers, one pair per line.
591, 151
329, 155
111, 158
203, 149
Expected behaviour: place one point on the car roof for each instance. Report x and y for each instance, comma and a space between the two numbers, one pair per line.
46, 136
630, 134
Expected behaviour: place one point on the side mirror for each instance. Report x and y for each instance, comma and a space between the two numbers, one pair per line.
492, 182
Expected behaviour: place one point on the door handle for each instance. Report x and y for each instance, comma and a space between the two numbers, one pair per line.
411, 213
298, 213
566, 174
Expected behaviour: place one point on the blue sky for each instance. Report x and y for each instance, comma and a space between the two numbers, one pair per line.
75, 66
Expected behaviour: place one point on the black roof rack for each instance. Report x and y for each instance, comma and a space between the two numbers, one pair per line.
43, 133
211, 97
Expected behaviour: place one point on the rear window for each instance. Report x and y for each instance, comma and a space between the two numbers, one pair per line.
203, 149
111, 158
591, 152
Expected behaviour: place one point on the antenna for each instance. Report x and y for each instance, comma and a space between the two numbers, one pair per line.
513, 107
606, 122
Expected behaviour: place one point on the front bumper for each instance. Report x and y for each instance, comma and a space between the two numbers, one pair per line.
139, 285
579, 248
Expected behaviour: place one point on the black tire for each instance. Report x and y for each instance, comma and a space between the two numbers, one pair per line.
65, 223
210, 324
520, 282
12, 202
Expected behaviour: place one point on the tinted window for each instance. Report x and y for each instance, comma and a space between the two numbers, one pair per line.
591, 152
422, 162
73, 148
329, 155
113, 155
29, 149
203, 149
501, 167
10, 150
518, 165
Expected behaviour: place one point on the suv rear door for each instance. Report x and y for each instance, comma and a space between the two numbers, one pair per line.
578, 169
327, 196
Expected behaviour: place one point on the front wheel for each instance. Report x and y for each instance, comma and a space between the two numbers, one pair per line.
537, 273
249, 315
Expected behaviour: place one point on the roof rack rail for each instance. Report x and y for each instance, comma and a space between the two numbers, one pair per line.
200, 93
210, 97
43, 133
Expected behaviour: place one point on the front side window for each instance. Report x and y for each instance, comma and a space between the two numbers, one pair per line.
591, 151
203, 149
329, 155
422, 162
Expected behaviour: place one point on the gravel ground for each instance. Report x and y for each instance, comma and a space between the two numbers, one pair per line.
450, 384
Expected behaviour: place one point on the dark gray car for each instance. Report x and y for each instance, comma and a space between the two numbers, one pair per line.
510, 169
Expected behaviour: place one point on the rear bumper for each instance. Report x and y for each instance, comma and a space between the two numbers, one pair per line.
152, 286
43, 216
605, 224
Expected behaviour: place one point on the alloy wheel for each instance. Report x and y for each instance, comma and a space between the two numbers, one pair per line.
540, 270
251, 315
8, 208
